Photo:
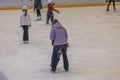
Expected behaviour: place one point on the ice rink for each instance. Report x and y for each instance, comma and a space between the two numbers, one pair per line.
94, 51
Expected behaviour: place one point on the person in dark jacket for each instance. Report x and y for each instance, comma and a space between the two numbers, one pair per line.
37, 7
109, 2
59, 37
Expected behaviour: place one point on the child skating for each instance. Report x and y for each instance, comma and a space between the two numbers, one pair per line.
50, 14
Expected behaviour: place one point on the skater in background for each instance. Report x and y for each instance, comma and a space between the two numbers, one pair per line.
109, 2
58, 37
50, 14
37, 7
25, 23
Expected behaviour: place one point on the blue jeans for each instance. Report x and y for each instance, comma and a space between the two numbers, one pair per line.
50, 15
55, 59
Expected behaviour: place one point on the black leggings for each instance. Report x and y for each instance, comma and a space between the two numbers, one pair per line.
25, 33
110, 3
38, 12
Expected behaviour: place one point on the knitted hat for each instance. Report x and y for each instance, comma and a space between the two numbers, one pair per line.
24, 7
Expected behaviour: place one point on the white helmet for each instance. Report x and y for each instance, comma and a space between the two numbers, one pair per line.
24, 7
50, 1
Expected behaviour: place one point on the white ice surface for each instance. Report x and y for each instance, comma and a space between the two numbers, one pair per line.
94, 51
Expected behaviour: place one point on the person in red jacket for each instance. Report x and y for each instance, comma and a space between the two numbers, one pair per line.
50, 14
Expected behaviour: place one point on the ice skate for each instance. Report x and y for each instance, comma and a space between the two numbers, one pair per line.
47, 23
115, 10
26, 42
52, 71
38, 18
107, 10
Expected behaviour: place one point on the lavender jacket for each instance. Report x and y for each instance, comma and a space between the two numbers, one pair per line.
58, 34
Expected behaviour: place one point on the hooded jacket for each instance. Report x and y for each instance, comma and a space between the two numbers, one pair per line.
25, 20
37, 4
58, 34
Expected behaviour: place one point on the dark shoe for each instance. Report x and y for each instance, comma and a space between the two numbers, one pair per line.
107, 10
26, 42
52, 71
66, 70
47, 22
50, 65
115, 10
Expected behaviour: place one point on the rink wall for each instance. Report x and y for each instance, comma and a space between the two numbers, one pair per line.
19, 3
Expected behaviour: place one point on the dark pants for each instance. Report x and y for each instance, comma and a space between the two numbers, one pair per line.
38, 12
25, 33
55, 59
110, 3
50, 15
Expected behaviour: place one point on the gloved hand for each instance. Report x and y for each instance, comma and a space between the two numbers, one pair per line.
58, 11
